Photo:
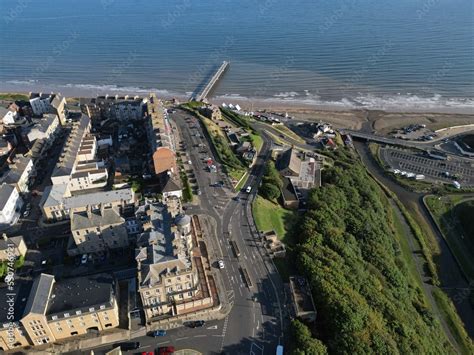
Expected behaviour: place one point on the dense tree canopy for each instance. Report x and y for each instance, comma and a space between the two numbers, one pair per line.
347, 248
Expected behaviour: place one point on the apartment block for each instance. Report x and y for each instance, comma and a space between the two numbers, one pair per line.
57, 205
97, 230
19, 173
49, 103
59, 310
169, 281
78, 166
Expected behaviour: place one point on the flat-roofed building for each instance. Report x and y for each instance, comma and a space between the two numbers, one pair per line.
303, 304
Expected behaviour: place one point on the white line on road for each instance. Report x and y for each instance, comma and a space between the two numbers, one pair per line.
200, 336
178, 339
163, 342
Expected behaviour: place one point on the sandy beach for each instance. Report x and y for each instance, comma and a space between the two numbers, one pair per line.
381, 121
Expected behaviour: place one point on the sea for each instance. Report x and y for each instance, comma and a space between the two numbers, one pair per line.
342, 53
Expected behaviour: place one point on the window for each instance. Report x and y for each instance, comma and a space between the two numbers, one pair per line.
92, 309
60, 330
53, 318
79, 312
103, 307
66, 314
190, 293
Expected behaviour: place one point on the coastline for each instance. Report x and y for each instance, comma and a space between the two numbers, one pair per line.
340, 114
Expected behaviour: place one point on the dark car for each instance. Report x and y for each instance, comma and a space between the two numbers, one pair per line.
165, 350
130, 345
195, 324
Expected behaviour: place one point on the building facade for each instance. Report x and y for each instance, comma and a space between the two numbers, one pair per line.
10, 204
12, 246
59, 310
98, 230
169, 282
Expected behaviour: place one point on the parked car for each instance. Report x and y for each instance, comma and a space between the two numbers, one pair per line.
248, 189
165, 350
84, 259
159, 333
195, 324
221, 264
129, 345
26, 213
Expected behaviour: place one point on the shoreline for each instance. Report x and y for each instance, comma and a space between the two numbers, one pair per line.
340, 115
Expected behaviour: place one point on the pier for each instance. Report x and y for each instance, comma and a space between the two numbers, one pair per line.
201, 94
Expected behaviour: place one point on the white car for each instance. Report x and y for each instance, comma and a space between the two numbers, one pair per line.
84, 259
221, 264
248, 189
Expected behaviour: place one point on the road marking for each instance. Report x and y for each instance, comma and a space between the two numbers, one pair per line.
212, 327
200, 335
143, 347
163, 342
177, 339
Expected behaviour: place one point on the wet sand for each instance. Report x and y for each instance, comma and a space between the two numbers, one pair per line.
380, 121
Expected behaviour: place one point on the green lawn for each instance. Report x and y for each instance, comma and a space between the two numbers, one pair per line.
257, 141
270, 215
13, 96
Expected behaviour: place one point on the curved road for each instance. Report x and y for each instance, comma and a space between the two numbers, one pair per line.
451, 277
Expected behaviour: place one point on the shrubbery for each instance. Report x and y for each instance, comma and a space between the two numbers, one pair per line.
347, 248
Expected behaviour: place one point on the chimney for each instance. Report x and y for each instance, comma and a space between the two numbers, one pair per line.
89, 211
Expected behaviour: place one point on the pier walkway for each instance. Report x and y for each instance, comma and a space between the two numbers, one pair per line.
201, 94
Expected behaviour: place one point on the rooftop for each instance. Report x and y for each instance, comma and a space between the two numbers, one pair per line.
71, 148
39, 294
54, 196
5, 193
96, 218
302, 295
81, 294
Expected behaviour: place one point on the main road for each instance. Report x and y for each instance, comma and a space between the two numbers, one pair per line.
254, 325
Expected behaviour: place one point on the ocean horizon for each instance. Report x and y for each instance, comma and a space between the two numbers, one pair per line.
346, 53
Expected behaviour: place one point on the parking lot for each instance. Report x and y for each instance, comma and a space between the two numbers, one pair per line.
434, 169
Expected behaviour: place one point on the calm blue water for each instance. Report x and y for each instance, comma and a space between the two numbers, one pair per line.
344, 52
